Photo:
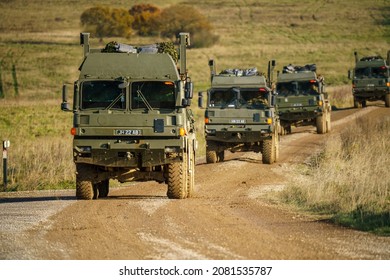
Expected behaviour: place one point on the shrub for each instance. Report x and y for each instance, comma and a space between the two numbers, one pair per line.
183, 18
106, 22
145, 19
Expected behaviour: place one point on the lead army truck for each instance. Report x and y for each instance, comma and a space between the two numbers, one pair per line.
370, 80
301, 99
132, 120
240, 114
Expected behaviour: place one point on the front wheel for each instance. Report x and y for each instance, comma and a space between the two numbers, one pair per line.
387, 100
177, 179
268, 151
211, 152
84, 187
191, 174
321, 124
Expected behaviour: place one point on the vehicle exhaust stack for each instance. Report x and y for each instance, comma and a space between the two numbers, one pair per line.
356, 57
84, 41
388, 58
212, 68
184, 39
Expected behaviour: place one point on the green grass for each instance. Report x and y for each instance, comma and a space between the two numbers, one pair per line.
42, 39
44, 44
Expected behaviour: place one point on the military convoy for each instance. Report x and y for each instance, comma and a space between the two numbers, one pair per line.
240, 114
132, 120
301, 99
370, 80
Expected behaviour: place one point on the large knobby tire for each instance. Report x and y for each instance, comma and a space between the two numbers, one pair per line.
321, 124
191, 173
211, 152
84, 187
387, 100
103, 187
221, 156
328, 122
356, 103
268, 153
177, 179
276, 148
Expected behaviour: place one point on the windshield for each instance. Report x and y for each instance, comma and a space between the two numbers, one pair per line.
222, 98
232, 98
151, 95
374, 72
254, 98
102, 95
293, 88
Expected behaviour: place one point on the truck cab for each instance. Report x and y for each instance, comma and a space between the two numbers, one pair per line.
132, 120
370, 80
240, 115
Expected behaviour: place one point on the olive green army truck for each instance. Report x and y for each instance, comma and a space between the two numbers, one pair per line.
370, 80
132, 120
301, 99
240, 115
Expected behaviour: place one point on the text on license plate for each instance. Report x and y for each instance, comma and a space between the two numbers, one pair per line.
237, 121
135, 132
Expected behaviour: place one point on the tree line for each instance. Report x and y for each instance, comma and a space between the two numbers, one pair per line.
149, 20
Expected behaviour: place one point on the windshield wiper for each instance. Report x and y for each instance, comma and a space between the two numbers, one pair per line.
114, 101
140, 94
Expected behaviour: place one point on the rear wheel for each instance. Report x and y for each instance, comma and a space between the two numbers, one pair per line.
84, 187
177, 179
103, 188
221, 156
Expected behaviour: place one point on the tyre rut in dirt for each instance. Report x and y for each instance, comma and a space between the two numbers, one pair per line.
84, 187
268, 152
177, 179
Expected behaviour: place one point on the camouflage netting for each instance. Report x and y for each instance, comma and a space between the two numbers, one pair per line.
163, 47
241, 72
295, 68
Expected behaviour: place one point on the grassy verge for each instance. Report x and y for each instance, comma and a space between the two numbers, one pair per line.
40, 155
349, 180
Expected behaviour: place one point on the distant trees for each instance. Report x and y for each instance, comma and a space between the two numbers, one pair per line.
107, 22
149, 20
145, 19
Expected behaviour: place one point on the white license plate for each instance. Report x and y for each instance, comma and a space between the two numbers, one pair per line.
237, 121
133, 132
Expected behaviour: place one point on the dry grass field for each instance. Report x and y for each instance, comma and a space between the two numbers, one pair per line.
40, 37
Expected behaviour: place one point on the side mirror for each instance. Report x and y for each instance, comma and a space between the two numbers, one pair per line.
65, 105
350, 74
273, 100
200, 99
189, 90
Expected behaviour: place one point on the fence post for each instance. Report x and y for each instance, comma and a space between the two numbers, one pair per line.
6, 144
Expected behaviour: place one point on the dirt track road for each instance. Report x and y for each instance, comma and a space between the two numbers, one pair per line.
228, 218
